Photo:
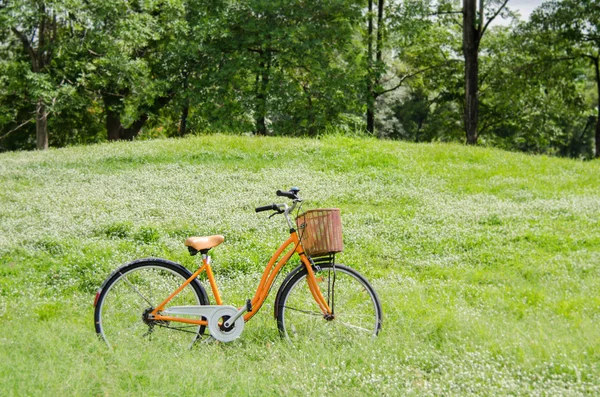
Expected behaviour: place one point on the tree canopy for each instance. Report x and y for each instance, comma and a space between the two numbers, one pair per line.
75, 72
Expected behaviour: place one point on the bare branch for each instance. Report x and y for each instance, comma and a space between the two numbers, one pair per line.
438, 13
494, 123
95, 53
529, 65
406, 77
443, 13
502, 119
27, 47
16, 128
588, 38
492, 18
42, 33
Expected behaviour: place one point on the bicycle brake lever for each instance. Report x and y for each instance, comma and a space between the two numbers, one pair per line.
276, 213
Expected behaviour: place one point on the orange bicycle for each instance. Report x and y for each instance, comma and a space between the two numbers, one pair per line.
162, 301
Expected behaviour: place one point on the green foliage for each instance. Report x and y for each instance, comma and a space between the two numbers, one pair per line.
122, 70
569, 32
39, 55
284, 65
535, 95
531, 102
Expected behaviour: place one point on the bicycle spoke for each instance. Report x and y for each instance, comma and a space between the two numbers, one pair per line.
136, 291
122, 312
354, 316
355, 327
317, 314
355, 305
135, 326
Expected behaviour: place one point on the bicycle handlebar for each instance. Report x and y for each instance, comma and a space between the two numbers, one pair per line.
291, 194
285, 194
272, 207
283, 208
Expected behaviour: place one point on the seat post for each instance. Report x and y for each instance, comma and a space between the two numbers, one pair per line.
211, 276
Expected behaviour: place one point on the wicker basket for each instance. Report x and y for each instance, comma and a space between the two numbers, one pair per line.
320, 231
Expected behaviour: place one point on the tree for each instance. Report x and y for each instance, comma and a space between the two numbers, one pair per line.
37, 26
572, 27
528, 100
375, 67
475, 22
119, 41
417, 94
402, 49
282, 63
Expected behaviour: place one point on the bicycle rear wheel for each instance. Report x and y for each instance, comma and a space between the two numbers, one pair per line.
133, 291
355, 305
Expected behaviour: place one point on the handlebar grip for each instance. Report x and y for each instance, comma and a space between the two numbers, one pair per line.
289, 195
270, 207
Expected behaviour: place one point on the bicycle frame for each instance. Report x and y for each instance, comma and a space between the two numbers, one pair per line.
262, 291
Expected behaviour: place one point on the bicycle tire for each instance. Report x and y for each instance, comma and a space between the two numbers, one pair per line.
133, 290
357, 310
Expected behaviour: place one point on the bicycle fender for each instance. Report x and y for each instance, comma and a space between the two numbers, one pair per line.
154, 260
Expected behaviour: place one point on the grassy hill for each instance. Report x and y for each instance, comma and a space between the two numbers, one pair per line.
487, 264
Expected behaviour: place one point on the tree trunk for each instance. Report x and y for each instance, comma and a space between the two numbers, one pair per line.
41, 125
112, 107
370, 83
312, 127
374, 72
597, 153
186, 107
379, 54
471, 97
262, 83
134, 129
419, 126
183, 122
471, 39
371, 116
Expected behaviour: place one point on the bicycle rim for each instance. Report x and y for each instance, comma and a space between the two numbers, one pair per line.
357, 312
125, 302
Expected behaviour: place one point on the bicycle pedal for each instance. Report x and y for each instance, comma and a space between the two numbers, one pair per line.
248, 305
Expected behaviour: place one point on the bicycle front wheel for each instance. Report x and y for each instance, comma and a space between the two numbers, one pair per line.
133, 291
355, 305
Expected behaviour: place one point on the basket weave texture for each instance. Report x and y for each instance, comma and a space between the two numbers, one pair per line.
321, 231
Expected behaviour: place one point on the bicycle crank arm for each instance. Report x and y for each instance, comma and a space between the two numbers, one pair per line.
224, 322
240, 313
233, 319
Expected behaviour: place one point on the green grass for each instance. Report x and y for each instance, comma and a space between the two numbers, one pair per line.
487, 264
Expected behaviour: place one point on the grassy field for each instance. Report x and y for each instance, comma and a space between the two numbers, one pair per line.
487, 264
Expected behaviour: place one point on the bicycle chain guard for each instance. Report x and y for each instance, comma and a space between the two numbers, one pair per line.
218, 331
216, 316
